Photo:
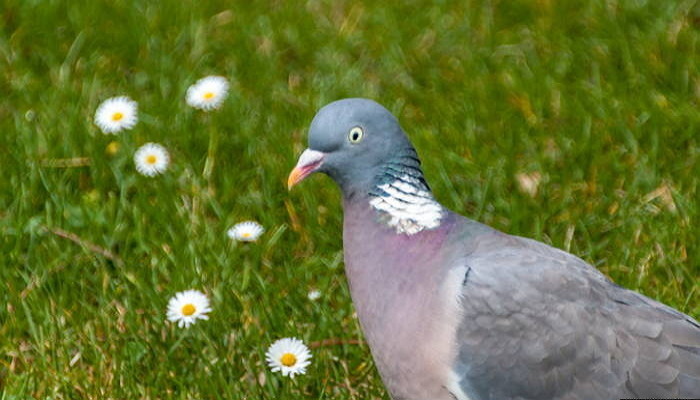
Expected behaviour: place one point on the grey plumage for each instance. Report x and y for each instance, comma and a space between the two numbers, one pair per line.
542, 324
453, 309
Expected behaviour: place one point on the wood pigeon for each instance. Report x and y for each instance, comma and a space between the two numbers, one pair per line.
455, 310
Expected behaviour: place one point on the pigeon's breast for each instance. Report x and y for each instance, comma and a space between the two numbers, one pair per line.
398, 284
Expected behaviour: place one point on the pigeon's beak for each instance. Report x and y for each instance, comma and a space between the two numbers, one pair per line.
309, 162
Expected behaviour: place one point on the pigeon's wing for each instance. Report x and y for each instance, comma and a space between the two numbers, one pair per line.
540, 323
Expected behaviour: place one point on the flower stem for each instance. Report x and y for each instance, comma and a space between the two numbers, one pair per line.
211, 155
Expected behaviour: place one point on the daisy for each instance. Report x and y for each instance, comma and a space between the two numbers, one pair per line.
151, 159
187, 307
314, 294
208, 93
289, 356
248, 231
116, 114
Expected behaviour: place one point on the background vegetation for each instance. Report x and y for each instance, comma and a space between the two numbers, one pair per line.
573, 122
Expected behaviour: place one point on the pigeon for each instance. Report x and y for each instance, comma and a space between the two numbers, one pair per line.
453, 309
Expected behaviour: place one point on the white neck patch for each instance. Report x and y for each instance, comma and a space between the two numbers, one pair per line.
406, 207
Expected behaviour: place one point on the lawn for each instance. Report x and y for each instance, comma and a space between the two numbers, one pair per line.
572, 122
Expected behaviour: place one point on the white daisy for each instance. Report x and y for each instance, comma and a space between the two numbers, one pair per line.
289, 356
151, 159
248, 231
208, 93
314, 294
187, 307
116, 114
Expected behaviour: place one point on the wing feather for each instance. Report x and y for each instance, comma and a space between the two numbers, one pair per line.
540, 323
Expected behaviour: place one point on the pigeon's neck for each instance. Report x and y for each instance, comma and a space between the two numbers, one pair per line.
402, 198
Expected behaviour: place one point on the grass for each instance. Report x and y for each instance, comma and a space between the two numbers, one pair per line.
595, 101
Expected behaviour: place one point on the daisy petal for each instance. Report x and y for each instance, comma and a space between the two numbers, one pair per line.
208, 93
248, 231
151, 159
185, 308
116, 114
289, 356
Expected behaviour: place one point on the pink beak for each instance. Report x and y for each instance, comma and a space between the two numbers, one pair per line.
309, 162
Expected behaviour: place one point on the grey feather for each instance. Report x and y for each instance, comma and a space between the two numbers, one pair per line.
570, 321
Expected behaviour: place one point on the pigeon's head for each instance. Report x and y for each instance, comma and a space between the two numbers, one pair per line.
349, 140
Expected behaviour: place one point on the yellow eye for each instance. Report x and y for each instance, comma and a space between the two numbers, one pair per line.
355, 134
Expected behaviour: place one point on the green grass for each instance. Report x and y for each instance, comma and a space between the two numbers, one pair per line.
600, 98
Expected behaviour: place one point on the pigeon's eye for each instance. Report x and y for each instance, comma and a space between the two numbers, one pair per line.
355, 134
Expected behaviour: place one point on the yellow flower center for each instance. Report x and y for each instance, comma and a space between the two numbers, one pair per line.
288, 359
188, 309
246, 234
151, 159
208, 95
117, 116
